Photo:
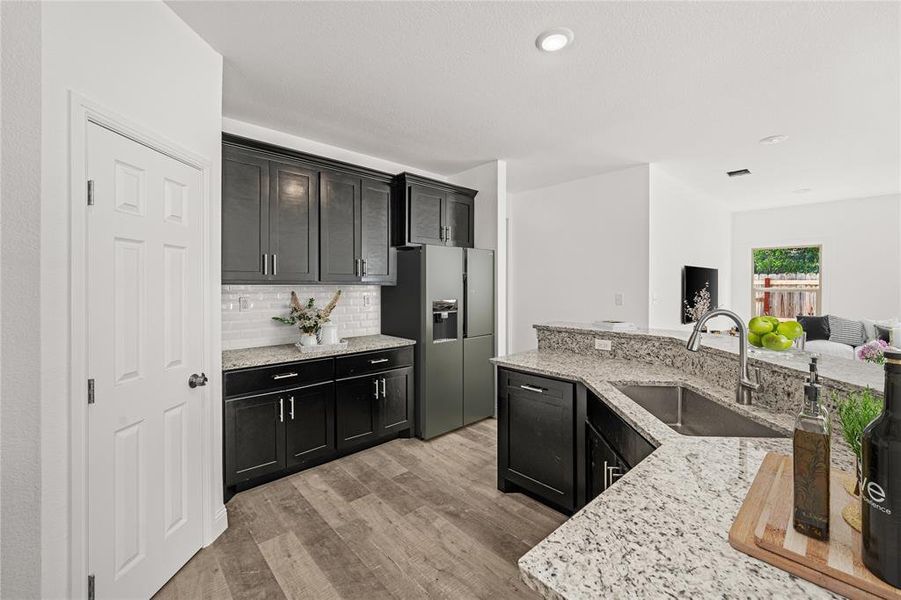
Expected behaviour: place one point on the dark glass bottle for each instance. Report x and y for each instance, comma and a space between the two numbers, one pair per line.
812, 458
880, 486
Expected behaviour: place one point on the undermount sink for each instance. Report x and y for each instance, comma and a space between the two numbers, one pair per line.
690, 413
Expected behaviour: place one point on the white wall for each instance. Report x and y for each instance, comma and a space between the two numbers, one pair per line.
861, 259
490, 179
20, 378
141, 61
686, 228
573, 246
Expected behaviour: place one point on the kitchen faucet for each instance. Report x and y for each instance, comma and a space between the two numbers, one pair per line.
745, 384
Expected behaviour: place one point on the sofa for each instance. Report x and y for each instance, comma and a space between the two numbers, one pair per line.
845, 336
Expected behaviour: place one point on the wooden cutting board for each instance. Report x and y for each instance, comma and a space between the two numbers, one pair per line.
763, 529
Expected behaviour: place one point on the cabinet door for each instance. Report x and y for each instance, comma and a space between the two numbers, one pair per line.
396, 408
378, 266
245, 216
339, 232
293, 223
356, 410
426, 215
536, 436
460, 220
254, 437
310, 423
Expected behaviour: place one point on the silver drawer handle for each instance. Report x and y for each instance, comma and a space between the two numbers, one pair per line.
530, 388
284, 376
377, 361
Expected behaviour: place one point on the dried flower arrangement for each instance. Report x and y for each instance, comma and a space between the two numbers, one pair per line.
701, 304
307, 317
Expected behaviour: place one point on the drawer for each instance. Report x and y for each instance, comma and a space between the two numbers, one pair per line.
548, 388
258, 380
373, 362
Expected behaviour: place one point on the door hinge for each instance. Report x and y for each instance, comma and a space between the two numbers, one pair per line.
90, 192
90, 391
90, 587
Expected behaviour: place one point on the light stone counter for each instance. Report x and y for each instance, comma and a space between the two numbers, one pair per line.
662, 529
285, 353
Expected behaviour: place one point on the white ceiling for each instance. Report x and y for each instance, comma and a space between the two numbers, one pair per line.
444, 86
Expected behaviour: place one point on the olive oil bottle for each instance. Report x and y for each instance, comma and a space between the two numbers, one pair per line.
880, 486
812, 462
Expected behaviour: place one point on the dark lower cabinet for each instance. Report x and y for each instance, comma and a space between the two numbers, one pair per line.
254, 437
373, 406
604, 467
310, 424
536, 437
313, 418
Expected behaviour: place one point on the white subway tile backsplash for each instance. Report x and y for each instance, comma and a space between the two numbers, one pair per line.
254, 327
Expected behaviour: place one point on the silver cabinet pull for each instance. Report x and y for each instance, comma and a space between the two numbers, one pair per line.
363, 267
281, 410
448, 233
275, 264
606, 473
265, 264
291, 401
376, 383
284, 376
530, 388
383, 388
377, 361
441, 232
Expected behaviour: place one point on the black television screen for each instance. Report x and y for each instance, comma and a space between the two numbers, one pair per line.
694, 279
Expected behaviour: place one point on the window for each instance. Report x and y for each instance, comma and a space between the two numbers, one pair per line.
787, 282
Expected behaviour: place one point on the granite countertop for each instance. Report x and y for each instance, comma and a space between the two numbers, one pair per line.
831, 368
662, 529
284, 353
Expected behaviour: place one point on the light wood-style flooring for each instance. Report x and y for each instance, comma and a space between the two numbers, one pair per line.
407, 519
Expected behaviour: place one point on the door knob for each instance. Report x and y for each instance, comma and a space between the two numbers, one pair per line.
196, 380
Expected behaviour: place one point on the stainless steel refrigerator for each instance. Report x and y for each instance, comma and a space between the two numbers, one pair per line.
444, 299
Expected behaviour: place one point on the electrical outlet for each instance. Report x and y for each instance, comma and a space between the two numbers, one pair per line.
366, 300
618, 298
243, 303
600, 344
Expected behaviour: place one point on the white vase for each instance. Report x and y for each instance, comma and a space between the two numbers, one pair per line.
328, 334
308, 339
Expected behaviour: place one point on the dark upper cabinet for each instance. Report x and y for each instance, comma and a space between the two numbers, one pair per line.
375, 224
293, 223
254, 437
460, 220
357, 411
310, 423
432, 212
340, 233
427, 219
291, 217
245, 216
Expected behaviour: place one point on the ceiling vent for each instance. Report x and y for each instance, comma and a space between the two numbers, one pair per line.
739, 173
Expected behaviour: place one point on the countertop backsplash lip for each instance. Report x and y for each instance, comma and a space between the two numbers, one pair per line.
357, 314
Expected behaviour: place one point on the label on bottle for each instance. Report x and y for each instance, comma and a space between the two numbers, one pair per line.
811, 482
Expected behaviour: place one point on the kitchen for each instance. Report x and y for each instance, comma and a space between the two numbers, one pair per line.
314, 309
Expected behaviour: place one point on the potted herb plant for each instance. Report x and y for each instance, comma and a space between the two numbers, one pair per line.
855, 411
308, 318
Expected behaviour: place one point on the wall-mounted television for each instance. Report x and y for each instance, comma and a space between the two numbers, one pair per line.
694, 279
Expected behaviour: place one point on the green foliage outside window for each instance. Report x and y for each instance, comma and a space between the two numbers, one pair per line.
769, 261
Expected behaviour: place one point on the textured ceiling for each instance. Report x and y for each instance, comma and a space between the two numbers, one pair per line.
444, 86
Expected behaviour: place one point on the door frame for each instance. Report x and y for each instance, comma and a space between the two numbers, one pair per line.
82, 112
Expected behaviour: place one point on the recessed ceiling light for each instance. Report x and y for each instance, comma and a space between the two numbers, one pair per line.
801, 191
554, 39
774, 139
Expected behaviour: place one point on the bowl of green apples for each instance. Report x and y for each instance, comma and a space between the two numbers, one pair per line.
772, 334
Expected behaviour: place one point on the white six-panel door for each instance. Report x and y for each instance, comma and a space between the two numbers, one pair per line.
145, 340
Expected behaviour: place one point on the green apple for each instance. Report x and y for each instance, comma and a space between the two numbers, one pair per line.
790, 329
761, 325
776, 341
774, 320
754, 339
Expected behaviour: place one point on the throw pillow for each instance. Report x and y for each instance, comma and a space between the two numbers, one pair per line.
816, 328
883, 333
846, 331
